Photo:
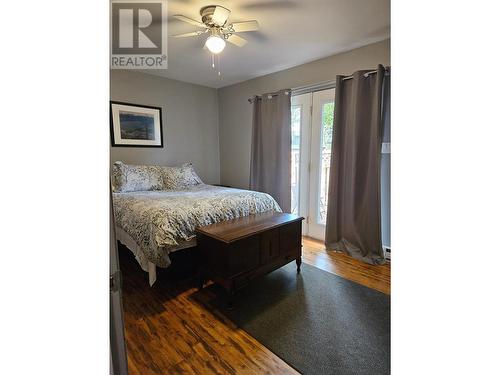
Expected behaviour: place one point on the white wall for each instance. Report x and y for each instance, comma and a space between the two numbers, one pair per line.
190, 122
235, 112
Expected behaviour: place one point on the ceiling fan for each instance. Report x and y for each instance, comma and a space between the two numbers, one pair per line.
214, 20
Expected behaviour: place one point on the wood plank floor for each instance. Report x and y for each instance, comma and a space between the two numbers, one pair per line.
375, 277
172, 329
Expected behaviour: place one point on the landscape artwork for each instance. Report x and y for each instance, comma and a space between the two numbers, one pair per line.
134, 125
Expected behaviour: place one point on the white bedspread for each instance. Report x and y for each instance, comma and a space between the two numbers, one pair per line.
163, 221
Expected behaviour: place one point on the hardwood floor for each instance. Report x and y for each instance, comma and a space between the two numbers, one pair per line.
172, 328
375, 277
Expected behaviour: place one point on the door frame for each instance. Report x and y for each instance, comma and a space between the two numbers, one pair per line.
305, 101
118, 348
319, 98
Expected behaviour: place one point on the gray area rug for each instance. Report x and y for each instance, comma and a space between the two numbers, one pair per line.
317, 322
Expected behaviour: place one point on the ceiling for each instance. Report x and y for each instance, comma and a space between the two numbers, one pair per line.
292, 32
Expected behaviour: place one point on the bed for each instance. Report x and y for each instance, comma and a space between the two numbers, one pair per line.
155, 223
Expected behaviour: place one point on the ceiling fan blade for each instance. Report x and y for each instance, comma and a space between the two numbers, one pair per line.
180, 17
241, 27
237, 40
220, 15
194, 33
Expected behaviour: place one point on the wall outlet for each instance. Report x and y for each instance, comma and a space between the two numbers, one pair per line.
387, 252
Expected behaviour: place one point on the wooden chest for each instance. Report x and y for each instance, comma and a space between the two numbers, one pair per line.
234, 252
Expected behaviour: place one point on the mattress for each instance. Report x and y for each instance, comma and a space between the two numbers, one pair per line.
155, 223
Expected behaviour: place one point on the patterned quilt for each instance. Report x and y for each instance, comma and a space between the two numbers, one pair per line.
163, 221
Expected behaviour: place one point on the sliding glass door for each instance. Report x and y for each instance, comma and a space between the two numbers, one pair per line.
312, 131
321, 145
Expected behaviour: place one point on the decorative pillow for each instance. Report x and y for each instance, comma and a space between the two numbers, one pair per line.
127, 178
182, 177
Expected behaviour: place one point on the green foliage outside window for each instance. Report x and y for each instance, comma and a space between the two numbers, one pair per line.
327, 121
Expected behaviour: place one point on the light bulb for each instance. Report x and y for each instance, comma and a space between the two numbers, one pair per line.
215, 44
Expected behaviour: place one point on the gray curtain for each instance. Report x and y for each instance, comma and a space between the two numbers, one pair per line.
353, 223
270, 168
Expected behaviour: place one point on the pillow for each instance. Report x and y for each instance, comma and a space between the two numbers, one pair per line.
126, 178
181, 177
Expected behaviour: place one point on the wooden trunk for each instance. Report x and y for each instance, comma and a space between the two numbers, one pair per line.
234, 252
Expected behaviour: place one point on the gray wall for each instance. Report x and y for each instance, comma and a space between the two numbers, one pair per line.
235, 122
190, 122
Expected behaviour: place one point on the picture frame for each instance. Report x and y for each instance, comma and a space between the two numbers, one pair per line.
135, 125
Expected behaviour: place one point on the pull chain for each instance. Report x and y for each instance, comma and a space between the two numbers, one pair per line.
214, 62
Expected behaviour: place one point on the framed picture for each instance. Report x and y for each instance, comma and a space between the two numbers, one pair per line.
134, 125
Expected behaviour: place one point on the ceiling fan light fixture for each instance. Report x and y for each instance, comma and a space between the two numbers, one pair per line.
215, 44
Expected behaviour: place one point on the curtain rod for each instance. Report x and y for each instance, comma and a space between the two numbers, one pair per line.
387, 73
270, 95
317, 86
323, 85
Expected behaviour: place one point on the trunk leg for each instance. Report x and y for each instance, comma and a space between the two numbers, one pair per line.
298, 261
